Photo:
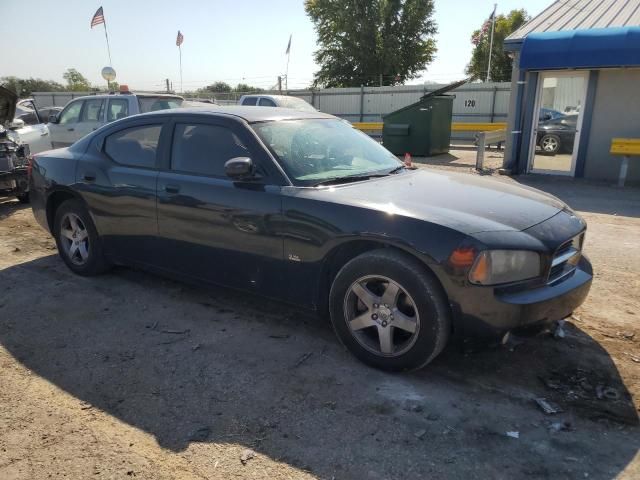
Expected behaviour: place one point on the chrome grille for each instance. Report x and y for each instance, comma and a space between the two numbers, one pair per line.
566, 258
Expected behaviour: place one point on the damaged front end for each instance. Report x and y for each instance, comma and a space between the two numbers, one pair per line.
14, 155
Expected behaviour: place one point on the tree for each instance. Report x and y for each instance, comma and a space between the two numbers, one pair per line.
76, 82
244, 88
24, 87
500, 61
218, 87
368, 42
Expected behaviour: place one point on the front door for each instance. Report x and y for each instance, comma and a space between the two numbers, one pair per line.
63, 133
211, 227
91, 117
557, 122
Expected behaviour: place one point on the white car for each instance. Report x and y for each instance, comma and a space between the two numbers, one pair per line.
284, 101
83, 115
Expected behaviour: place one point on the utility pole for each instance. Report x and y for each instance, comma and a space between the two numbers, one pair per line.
167, 81
280, 84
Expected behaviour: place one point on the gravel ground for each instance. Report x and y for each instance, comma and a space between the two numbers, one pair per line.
129, 375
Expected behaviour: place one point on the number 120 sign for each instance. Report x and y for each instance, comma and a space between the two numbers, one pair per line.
470, 103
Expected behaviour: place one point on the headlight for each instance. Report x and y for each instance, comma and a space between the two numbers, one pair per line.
493, 267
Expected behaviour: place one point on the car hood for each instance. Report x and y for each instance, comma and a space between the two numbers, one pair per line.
8, 101
466, 203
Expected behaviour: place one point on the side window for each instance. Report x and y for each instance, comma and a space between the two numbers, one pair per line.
249, 101
135, 146
267, 102
204, 149
71, 113
92, 111
118, 108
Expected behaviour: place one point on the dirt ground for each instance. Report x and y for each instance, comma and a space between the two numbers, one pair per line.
129, 375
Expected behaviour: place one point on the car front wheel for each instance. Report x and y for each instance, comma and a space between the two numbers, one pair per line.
77, 239
389, 311
550, 144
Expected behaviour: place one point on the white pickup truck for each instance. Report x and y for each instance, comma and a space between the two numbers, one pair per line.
83, 115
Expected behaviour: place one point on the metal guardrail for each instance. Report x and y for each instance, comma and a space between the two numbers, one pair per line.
626, 147
455, 126
487, 138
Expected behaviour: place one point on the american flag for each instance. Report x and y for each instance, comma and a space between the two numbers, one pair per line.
179, 39
98, 18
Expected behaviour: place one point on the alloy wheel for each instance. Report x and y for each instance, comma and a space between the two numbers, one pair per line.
549, 144
381, 315
74, 238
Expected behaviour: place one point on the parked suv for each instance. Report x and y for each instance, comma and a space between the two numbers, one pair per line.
83, 115
283, 101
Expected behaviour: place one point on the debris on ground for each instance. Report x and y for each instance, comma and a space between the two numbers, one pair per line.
196, 347
548, 407
176, 332
558, 331
560, 427
280, 336
513, 434
303, 359
433, 417
420, 433
247, 455
609, 393
633, 357
413, 406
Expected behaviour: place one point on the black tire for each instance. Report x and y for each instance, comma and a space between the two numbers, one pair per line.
420, 288
550, 144
95, 262
23, 197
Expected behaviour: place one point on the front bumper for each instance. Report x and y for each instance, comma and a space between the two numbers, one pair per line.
490, 311
13, 182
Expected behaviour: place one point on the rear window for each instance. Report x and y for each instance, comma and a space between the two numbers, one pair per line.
296, 104
152, 104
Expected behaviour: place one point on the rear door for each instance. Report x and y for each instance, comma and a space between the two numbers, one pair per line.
91, 117
211, 227
63, 133
117, 177
117, 108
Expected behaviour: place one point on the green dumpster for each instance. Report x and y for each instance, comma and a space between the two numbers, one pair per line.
422, 129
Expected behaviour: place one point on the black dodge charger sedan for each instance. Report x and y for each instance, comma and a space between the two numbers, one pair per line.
301, 207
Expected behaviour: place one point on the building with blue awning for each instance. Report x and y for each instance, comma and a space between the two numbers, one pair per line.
575, 87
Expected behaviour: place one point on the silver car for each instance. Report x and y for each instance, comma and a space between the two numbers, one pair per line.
83, 115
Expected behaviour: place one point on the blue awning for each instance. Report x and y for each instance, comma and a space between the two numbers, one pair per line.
593, 48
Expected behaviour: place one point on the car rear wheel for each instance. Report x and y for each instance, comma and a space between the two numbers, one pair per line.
389, 311
550, 144
77, 239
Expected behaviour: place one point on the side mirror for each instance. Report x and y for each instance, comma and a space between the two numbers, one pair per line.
53, 118
239, 168
16, 123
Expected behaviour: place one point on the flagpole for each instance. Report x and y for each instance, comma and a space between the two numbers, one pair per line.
493, 25
180, 50
286, 74
106, 35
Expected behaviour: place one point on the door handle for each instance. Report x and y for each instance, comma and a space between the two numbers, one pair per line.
44, 134
70, 129
171, 188
89, 177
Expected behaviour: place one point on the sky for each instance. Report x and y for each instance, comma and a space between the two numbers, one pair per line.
231, 41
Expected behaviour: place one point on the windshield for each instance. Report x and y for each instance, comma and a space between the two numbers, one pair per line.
296, 103
151, 104
316, 150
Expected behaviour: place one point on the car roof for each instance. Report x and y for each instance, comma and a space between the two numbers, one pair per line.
249, 114
125, 95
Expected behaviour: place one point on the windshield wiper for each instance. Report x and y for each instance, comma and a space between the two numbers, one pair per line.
396, 170
349, 178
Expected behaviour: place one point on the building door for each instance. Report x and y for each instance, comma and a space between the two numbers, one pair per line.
557, 122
